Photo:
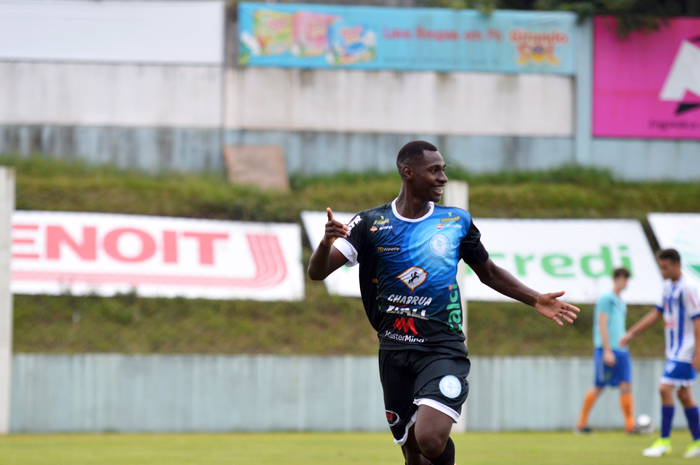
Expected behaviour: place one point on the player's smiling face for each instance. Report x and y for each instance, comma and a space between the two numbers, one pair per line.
429, 176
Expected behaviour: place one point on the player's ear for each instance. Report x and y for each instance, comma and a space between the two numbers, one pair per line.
407, 172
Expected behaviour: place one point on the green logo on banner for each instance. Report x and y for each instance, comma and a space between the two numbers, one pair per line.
563, 265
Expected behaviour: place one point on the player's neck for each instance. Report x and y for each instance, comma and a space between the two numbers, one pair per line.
411, 207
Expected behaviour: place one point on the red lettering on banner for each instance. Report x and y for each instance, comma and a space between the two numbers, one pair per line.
270, 269
56, 236
206, 245
25, 240
438, 35
111, 245
494, 34
169, 247
472, 36
394, 34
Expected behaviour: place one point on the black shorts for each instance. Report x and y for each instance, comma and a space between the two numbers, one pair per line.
411, 378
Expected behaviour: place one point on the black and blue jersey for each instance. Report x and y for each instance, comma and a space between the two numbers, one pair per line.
408, 273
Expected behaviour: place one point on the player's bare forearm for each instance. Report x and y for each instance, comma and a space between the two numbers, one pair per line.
548, 305
505, 283
603, 327
646, 322
319, 264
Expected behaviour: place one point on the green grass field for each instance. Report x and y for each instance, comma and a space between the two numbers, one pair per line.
614, 448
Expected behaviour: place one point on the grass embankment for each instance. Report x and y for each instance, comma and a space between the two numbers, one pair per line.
320, 324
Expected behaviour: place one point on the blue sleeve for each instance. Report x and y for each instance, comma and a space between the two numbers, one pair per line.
604, 304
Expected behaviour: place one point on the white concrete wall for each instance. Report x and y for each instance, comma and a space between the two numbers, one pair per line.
392, 102
110, 95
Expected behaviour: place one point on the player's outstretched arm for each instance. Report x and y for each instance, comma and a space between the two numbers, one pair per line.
326, 259
548, 305
647, 321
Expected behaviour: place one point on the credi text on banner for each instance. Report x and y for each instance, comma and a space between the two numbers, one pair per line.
680, 231
104, 254
323, 36
577, 256
647, 85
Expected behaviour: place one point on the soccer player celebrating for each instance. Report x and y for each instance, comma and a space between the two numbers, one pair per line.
680, 310
612, 362
408, 251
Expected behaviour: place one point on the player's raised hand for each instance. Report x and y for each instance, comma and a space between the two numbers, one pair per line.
549, 306
334, 229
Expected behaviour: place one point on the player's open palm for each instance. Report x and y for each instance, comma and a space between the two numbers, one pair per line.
549, 306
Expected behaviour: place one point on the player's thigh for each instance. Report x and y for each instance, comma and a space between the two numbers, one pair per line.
621, 372
685, 395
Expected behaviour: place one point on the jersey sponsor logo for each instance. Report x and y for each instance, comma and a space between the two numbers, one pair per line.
392, 417
382, 228
454, 319
413, 277
439, 245
389, 249
411, 312
450, 219
404, 338
409, 299
440, 226
450, 386
381, 221
405, 325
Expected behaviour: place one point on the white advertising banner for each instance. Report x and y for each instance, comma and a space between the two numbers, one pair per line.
162, 32
576, 256
106, 254
680, 231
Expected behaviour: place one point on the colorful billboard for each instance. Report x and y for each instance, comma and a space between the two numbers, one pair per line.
104, 254
406, 39
576, 256
648, 85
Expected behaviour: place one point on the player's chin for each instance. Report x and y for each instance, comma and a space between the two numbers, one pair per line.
436, 194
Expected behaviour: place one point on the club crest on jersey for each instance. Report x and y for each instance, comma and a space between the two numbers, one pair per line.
413, 277
439, 245
392, 417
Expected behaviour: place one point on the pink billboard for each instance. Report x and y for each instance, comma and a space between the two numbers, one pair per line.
648, 85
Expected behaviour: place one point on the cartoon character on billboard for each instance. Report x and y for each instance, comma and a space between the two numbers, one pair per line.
351, 43
311, 33
537, 47
271, 35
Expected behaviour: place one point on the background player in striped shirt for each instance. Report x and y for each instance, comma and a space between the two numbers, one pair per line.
612, 362
680, 310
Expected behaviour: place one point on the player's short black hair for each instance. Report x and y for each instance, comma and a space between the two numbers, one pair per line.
622, 271
669, 254
413, 150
